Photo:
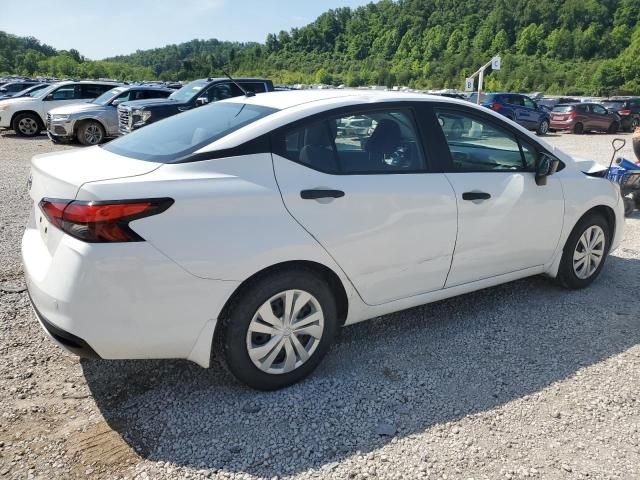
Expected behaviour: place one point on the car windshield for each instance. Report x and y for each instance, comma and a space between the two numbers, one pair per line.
44, 92
171, 139
30, 92
563, 108
109, 95
188, 91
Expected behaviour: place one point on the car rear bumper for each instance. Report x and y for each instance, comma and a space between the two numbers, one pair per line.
561, 125
120, 300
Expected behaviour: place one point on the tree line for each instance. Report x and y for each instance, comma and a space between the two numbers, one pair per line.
587, 47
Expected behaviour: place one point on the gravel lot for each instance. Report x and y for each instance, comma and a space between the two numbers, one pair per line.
524, 380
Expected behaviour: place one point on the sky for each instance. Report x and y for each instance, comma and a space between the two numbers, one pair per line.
112, 27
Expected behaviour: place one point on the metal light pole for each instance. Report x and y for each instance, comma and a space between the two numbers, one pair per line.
494, 63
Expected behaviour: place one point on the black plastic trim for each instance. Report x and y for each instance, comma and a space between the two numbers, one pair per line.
74, 344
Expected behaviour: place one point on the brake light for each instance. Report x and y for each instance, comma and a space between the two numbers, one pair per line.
101, 222
624, 112
573, 115
496, 106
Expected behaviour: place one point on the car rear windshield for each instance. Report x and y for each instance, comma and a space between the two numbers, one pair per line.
563, 108
613, 103
172, 139
484, 97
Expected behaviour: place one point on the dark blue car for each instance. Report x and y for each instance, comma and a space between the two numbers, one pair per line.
517, 107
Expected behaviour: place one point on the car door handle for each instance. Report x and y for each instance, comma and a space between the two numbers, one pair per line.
315, 194
476, 196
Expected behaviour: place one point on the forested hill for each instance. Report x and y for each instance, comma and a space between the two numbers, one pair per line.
561, 46
557, 46
28, 56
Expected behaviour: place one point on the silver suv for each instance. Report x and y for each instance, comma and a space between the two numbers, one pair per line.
91, 123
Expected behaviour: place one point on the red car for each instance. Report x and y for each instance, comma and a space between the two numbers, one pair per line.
584, 117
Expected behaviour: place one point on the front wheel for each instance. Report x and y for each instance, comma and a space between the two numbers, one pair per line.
543, 128
27, 125
278, 330
585, 252
578, 129
91, 133
614, 127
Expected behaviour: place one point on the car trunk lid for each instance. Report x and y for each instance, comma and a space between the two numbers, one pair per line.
61, 174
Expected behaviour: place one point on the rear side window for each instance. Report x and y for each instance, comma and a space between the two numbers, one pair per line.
255, 87
176, 137
383, 141
89, 91
563, 108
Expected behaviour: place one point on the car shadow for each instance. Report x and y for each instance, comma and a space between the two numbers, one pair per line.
410, 370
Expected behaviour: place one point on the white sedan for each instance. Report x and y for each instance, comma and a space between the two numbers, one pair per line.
249, 230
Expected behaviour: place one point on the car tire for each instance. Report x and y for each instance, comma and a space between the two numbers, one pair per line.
256, 342
543, 128
578, 129
629, 205
635, 123
27, 125
580, 264
613, 128
90, 133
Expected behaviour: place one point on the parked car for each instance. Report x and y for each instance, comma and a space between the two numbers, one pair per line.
27, 115
253, 228
91, 123
27, 92
629, 110
517, 107
550, 102
584, 117
9, 89
134, 115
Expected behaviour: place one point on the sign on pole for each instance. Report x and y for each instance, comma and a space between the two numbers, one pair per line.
495, 62
468, 84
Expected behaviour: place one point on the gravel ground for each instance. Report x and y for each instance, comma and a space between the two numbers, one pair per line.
525, 380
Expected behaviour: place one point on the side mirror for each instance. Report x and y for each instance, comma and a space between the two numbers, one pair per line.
545, 166
201, 101
49, 97
115, 103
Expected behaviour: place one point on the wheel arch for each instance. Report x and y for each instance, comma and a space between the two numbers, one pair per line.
82, 121
607, 212
333, 280
20, 112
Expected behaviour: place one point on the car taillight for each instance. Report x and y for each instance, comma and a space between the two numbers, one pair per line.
496, 106
104, 221
624, 112
573, 115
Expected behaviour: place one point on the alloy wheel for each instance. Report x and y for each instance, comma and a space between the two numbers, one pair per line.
544, 127
28, 126
285, 331
93, 134
589, 252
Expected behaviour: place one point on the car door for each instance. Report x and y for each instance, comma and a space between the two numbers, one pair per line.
63, 95
357, 182
506, 223
530, 111
601, 117
519, 113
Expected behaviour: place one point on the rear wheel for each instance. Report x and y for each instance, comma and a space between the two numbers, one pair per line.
613, 128
578, 129
27, 125
635, 123
585, 252
543, 128
278, 330
91, 133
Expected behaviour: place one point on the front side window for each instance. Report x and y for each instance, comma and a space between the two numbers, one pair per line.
476, 144
221, 91
382, 141
180, 135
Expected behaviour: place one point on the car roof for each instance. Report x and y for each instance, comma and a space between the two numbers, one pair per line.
298, 98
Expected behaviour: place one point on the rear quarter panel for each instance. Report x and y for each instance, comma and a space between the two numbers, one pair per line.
228, 220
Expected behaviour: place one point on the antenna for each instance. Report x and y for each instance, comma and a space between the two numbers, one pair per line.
246, 93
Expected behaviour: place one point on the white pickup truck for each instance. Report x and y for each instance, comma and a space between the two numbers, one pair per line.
27, 115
